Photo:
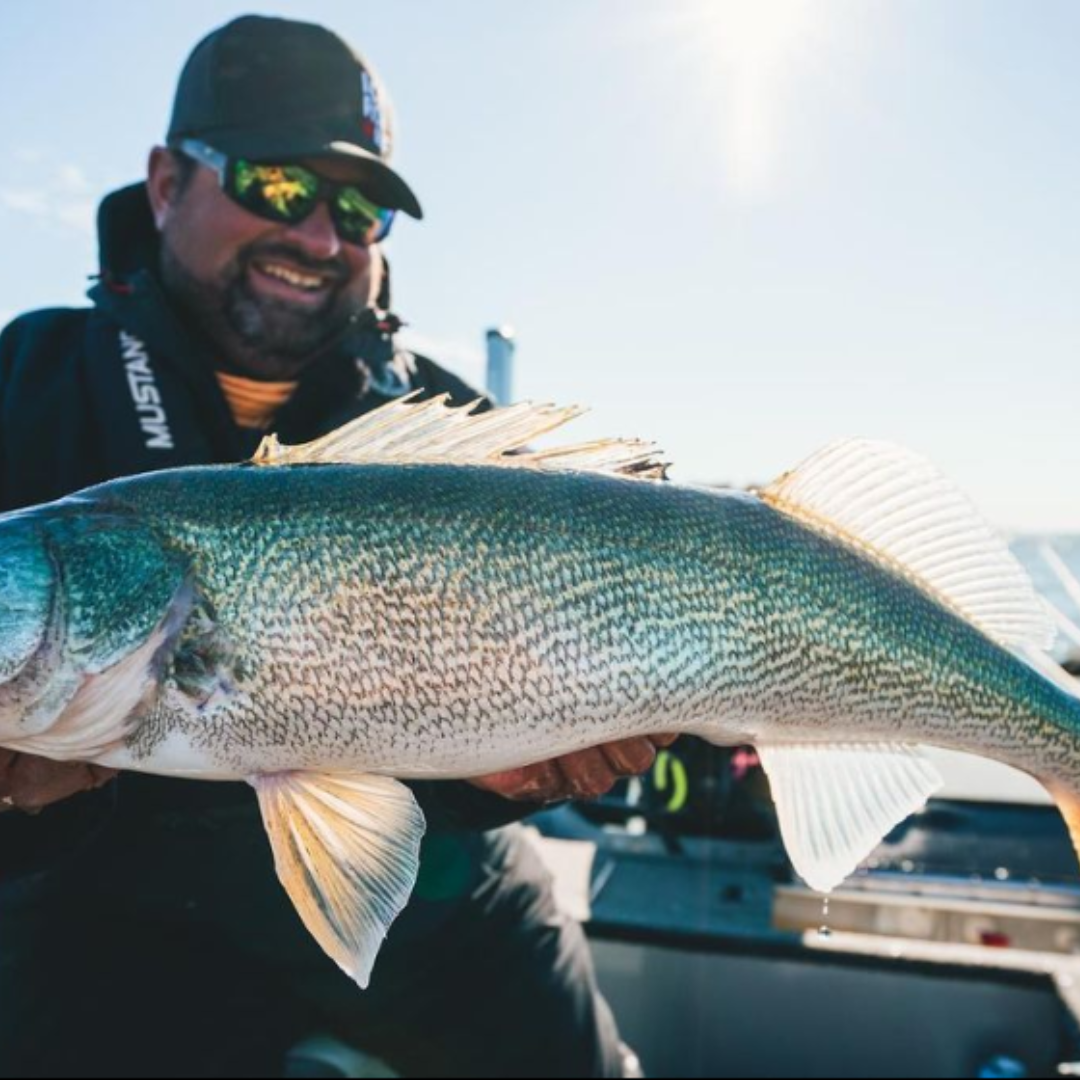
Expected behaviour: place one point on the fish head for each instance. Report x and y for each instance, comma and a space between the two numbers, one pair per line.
82, 590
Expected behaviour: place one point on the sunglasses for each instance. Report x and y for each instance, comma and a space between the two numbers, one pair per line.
290, 193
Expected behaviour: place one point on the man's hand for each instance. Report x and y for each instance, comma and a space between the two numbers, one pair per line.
32, 783
584, 775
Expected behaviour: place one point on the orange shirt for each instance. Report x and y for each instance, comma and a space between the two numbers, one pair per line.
254, 404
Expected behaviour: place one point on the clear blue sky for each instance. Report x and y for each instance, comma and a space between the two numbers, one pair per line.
741, 228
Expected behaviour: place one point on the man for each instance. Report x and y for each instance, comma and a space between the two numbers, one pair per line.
142, 931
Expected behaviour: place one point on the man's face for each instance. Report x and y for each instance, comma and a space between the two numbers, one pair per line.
270, 295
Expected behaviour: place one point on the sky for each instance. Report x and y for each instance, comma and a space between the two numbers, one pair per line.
741, 228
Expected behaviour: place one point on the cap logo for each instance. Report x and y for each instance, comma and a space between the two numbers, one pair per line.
372, 123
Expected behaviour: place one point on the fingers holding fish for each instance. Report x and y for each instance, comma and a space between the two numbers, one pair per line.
31, 783
587, 774
630, 757
540, 783
7, 757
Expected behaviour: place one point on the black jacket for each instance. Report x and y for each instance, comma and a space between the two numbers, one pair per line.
127, 387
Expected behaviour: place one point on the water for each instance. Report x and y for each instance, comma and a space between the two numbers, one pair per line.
824, 932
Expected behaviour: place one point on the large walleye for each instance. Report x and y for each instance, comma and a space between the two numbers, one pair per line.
409, 598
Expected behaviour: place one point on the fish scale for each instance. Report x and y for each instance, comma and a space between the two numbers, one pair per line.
585, 609
409, 599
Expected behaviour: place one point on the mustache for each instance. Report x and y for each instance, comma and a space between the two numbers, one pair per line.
335, 269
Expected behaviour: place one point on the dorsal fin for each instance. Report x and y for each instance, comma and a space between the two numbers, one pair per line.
896, 506
407, 432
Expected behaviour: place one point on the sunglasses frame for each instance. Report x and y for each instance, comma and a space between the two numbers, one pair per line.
225, 167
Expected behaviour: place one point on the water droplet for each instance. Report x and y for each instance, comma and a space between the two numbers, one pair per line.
1002, 874
823, 931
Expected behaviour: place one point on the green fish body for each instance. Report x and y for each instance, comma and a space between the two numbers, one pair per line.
411, 602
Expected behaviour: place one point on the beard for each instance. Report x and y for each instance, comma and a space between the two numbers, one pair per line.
264, 336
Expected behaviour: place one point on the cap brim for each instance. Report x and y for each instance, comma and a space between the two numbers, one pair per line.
381, 183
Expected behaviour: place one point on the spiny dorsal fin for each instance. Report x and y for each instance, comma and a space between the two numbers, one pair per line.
407, 432
896, 506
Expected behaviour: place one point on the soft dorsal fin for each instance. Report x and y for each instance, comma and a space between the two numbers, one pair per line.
407, 432
896, 506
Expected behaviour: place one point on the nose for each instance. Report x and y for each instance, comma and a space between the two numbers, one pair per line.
317, 235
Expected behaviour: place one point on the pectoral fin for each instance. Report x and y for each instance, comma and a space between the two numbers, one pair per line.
347, 850
837, 803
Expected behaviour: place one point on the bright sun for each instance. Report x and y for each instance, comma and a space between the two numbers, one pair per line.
755, 55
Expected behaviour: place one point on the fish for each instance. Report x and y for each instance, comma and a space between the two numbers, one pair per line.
422, 594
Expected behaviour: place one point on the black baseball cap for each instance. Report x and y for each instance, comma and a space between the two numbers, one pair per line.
270, 89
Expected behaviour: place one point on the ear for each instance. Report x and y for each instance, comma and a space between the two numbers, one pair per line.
162, 184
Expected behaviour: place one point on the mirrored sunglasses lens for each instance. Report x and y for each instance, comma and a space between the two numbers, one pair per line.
281, 192
358, 219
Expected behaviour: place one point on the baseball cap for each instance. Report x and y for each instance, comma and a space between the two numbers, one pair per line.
271, 89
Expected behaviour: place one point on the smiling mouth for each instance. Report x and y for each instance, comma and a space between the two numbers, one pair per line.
302, 281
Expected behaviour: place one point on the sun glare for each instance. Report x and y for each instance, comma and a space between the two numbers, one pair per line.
753, 57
